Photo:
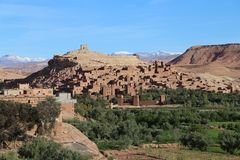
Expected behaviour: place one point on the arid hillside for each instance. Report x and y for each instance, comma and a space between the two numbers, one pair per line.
11, 74
220, 60
28, 68
20, 71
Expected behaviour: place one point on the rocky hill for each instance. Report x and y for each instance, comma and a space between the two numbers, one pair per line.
219, 60
61, 68
86, 57
226, 54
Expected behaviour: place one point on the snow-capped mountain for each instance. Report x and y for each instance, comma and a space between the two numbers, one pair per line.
9, 60
150, 56
122, 53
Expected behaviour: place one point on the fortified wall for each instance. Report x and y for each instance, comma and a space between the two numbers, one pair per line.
137, 102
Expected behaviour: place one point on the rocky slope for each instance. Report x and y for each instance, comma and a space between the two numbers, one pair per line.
71, 137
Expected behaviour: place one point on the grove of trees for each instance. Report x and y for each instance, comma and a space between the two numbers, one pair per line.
188, 125
17, 118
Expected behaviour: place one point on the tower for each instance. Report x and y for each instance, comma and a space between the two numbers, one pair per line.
84, 47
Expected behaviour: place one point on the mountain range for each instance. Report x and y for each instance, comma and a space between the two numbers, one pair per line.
16, 66
151, 56
13, 61
10, 60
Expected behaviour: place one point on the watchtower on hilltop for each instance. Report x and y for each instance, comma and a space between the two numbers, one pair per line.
84, 47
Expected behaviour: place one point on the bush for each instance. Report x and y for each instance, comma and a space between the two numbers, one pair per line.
229, 141
42, 149
194, 140
114, 144
9, 156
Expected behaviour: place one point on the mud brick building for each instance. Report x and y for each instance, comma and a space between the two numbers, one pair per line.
25, 94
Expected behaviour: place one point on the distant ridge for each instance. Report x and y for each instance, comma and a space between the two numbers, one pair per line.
9, 60
151, 56
18, 67
219, 60
222, 54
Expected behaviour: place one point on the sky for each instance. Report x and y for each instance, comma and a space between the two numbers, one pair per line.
41, 28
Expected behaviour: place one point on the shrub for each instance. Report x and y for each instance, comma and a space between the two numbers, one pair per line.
9, 156
229, 141
194, 140
40, 148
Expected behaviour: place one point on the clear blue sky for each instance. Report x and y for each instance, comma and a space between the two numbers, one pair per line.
41, 28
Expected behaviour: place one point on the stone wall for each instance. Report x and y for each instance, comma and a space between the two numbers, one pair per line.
136, 101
